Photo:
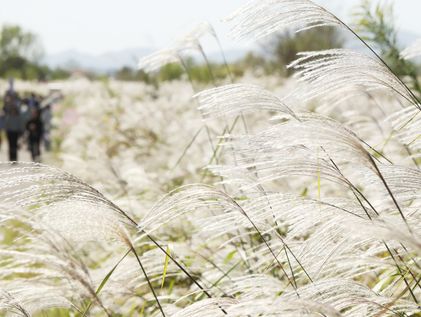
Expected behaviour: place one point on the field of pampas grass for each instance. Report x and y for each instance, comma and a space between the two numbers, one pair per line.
260, 197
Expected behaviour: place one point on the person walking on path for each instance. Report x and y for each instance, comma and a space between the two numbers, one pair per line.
1, 126
13, 120
46, 118
35, 129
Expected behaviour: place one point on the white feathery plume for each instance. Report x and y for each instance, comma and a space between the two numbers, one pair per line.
404, 181
391, 228
332, 74
206, 308
326, 241
237, 98
259, 168
26, 300
353, 297
189, 41
184, 200
328, 297
254, 286
258, 19
407, 124
201, 30
261, 18
52, 263
154, 61
8, 303
278, 307
412, 51
311, 146
60, 200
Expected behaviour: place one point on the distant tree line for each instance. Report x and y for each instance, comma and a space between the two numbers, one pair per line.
275, 54
21, 53
198, 72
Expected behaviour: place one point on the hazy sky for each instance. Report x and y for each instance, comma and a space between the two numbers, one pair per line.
97, 26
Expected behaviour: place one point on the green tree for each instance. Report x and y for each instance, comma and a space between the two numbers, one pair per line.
375, 24
252, 61
20, 56
283, 48
129, 74
20, 52
15, 42
170, 72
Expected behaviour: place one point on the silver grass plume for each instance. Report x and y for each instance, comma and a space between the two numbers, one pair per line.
258, 19
61, 201
261, 18
156, 60
412, 51
63, 204
172, 54
407, 125
234, 99
191, 39
26, 298
206, 308
315, 133
332, 74
184, 200
10, 304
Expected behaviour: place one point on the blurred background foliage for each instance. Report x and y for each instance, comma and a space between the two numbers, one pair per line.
283, 48
20, 56
21, 53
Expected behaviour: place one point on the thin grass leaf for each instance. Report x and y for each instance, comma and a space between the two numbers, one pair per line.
104, 281
164, 272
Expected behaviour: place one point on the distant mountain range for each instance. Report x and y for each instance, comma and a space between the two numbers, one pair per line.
106, 62
111, 61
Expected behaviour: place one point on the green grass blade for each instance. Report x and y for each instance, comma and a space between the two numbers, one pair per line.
164, 273
103, 282
318, 176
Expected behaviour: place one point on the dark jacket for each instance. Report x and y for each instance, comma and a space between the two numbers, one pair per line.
35, 129
13, 119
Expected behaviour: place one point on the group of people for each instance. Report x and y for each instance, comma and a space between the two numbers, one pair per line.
25, 118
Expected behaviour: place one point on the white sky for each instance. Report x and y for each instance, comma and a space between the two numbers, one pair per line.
97, 26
